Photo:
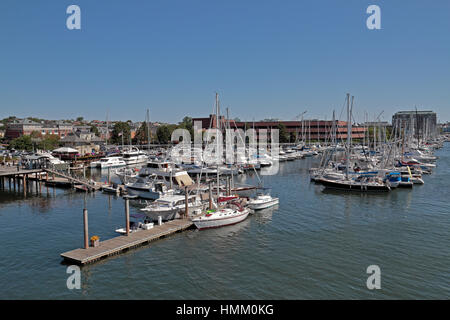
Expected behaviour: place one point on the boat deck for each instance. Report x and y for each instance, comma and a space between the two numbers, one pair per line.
121, 243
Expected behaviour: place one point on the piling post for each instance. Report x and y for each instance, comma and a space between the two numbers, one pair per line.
186, 201
127, 215
109, 175
86, 230
210, 196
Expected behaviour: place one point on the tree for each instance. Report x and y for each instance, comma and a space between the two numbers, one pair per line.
121, 128
292, 137
187, 124
94, 130
141, 134
35, 134
22, 143
80, 119
5, 121
164, 133
49, 142
283, 134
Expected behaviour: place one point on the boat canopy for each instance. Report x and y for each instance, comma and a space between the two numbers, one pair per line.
183, 180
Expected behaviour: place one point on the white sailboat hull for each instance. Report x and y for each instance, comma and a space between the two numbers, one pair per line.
220, 222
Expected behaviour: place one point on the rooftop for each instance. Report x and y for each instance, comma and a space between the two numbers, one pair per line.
414, 112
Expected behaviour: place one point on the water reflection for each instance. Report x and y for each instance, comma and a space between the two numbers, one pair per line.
265, 215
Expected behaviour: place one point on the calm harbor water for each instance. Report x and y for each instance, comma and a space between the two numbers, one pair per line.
315, 245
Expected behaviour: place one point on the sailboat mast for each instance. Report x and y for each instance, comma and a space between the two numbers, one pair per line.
148, 131
228, 126
417, 129
107, 131
348, 137
217, 141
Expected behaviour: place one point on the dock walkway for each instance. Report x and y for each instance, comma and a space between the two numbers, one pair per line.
91, 186
118, 244
12, 171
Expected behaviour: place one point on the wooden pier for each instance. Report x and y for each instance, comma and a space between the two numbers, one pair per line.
121, 243
52, 177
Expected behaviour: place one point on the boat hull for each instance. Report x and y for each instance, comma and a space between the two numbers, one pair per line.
265, 205
165, 215
220, 222
354, 187
143, 193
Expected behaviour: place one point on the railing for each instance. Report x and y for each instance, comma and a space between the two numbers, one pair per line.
86, 182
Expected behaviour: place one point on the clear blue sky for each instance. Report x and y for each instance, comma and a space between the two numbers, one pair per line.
265, 58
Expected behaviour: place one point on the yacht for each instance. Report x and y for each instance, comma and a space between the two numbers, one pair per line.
158, 167
127, 175
168, 206
134, 156
51, 159
108, 162
147, 189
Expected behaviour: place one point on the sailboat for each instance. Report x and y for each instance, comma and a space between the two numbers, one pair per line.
362, 183
233, 212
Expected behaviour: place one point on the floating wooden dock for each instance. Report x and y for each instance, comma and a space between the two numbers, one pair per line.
121, 243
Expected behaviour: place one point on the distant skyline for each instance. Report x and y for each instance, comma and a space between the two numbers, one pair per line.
266, 59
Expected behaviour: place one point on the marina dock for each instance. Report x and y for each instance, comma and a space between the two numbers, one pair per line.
50, 176
122, 243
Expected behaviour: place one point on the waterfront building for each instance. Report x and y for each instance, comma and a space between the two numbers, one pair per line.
314, 130
84, 142
420, 122
22, 127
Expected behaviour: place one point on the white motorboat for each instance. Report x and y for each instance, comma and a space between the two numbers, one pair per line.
53, 160
166, 170
221, 217
108, 162
127, 175
157, 167
113, 189
146, 189
135, 227
327, 173
134, 156
168, 206
262, 201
